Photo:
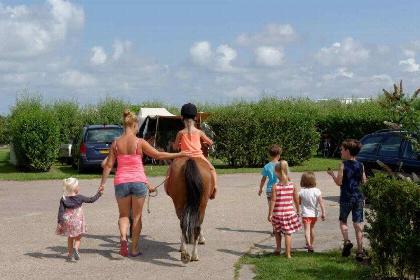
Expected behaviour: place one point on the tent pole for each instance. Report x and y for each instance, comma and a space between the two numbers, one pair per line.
156, 130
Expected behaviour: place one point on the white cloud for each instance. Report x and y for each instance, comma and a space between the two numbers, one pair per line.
341, 72
409, 65
244, 91
382, 78
76, 79
272, 34
220, 61
99, 56
26, 31
346, 52
225, 56
269, 56
120, 47
409, 53
201, 53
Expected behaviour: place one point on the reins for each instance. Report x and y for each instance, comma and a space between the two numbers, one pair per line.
154, 195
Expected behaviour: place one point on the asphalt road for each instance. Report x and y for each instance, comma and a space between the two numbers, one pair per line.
235, 222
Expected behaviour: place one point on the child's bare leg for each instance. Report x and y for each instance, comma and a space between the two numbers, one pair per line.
70, 246
344, 231
288, 245
312, 234
77, 241
278, 241
359, 237
308, 238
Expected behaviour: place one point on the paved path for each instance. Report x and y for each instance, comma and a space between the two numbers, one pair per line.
234, 223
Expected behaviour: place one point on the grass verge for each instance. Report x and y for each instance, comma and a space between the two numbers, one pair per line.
59, 171
303, 266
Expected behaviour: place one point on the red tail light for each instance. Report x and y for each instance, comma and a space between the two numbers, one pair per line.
82, 148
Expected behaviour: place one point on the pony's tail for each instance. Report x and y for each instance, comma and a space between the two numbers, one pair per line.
191, 216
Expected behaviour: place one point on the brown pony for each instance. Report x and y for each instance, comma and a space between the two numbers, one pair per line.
189, 185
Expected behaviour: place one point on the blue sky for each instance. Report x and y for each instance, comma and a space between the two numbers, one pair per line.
216, 51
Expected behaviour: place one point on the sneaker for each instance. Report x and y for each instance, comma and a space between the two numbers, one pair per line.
76, 254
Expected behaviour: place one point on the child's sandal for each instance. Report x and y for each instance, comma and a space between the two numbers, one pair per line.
347, 248
359, 257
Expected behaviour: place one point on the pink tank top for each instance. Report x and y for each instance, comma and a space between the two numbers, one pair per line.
191, 143
130, 168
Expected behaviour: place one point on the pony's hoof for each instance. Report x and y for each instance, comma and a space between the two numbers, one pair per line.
202, 241
185, 257
194, 258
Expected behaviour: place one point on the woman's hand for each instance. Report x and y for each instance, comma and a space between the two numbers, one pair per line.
151, 188
185, 154
270, 217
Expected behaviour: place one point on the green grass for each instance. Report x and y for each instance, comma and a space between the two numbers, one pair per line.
305, 266
59, 171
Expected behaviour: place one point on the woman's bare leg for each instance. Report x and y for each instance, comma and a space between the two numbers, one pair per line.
137, 203
124, 207
70, 246
77, 241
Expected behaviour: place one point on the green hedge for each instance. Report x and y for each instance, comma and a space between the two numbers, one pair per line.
244, 131
4, 131
69, 118
343, 121
394, 225
35, 132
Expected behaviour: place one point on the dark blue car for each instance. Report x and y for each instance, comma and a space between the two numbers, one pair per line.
92, 145
391, 149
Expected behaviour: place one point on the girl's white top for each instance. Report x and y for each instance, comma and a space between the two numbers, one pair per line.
310, 202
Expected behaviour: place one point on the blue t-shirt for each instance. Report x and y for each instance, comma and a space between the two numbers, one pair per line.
269, 172
352, 181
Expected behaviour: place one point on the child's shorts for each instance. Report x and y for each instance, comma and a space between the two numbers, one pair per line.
269, 198
309, 220
356, 209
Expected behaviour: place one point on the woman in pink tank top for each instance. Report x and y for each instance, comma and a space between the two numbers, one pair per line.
130, 181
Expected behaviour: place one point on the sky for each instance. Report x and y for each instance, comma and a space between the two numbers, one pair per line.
206, 51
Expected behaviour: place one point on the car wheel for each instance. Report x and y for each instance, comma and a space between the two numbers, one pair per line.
80, 167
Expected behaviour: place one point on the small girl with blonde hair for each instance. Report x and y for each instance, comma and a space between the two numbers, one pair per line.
310, 198
282, 213
71, 220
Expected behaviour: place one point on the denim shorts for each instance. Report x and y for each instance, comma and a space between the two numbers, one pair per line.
134, 189
356, 209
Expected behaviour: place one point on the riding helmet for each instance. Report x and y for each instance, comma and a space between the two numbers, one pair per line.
189, 111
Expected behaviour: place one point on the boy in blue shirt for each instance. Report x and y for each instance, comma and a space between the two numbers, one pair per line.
268, 172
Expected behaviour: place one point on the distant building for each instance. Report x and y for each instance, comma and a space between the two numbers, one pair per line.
347, 100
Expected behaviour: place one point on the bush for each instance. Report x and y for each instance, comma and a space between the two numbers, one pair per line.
4, 131
354, 120
35, 132
394, 225
69, 118
244, 131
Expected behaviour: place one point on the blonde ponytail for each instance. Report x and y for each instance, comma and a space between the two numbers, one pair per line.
189, 123
283, 168
129, 118
69, 185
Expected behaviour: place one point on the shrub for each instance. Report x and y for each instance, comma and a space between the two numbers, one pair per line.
394, 225
4, 131
69, 118
35, 133
354, 120
244, 131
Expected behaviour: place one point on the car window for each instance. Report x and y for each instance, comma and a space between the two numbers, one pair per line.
408, 151
101, 135
370, 144
391, 146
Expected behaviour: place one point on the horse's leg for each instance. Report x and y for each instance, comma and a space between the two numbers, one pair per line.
183, 246
201, 239
185, 256
194, 256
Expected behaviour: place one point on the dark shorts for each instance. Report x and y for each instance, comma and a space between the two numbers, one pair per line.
356, 209
134, 189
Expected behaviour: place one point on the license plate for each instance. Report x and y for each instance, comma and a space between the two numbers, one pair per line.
104, 151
